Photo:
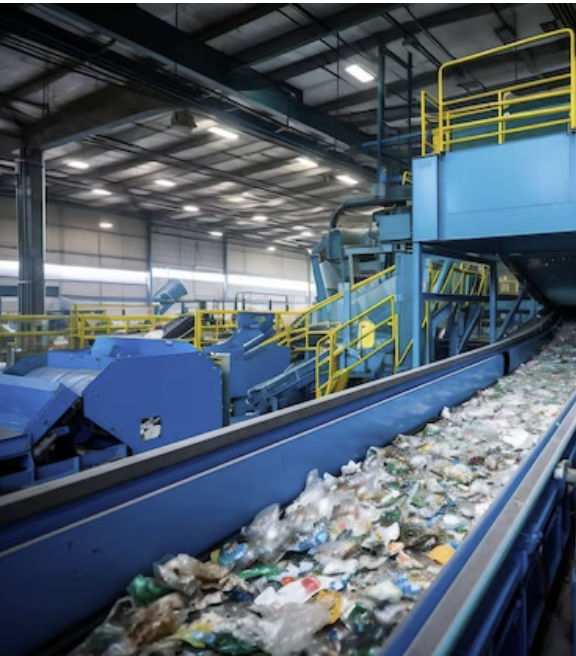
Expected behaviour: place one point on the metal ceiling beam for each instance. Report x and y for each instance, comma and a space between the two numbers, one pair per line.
98, 112
387, 36
133, 132
430, 78
196, 141
16, 21
237, 20
151, 37
210, 173
47, 77
369, 117
312, 32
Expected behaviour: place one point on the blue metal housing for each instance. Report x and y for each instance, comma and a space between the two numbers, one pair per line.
64, 411
250, 361
516, 200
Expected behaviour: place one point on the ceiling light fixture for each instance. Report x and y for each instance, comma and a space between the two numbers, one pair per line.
271, 248
359, 73
216, 233
299, 227
260, 218
101, 192
162, 182
105, 225
78, 164
307, 161
222, 132
346, 179
191, 208
307, 233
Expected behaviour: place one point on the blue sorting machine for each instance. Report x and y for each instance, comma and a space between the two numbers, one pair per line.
68, 547
64, 411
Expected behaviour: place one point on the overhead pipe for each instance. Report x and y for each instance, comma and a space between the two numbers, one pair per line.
354, 204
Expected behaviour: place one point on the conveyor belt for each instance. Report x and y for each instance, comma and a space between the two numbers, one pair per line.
390, 522
127, 515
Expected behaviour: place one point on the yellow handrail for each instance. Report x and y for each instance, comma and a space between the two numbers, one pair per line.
488, 107
334, 375
300, 330
224, 322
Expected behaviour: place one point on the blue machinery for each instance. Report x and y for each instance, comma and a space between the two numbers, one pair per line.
66, 411
69, 546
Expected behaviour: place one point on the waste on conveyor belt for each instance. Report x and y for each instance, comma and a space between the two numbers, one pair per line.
335, 571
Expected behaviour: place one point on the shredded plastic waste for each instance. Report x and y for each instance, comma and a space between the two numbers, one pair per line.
335, 571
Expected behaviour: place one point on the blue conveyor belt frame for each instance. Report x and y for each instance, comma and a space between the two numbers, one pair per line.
67, 548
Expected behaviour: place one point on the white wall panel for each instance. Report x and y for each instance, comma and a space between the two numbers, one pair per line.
74, 239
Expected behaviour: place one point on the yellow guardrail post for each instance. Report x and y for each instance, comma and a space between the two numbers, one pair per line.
424, 125
572, 81
198, 329
501, 124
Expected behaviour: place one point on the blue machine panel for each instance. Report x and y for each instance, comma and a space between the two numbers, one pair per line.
425, 190
132, 390
518, 188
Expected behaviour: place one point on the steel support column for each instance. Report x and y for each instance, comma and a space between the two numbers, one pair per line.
225, 268
31, 220
149, 259
381, 110
493, 300
417, 308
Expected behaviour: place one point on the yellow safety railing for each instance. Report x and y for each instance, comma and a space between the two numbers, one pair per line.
330, 377
78, 329
90, 325
429, 127
407, 178
303, 334
496, 114
212, 326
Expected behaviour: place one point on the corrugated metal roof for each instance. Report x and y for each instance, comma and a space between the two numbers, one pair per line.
231, 180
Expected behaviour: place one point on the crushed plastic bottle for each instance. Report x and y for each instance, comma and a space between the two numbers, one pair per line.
335, 571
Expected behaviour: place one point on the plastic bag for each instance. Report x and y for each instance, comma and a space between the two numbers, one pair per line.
268, 535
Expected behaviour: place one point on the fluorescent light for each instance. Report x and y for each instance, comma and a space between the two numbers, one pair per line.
164, 183
346, 179
78, 164
307, 161
260, 218
106, 225
101, 192
271, 248
216, 233
191, 208
221, 132
307, 233
300, 227
360, 73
